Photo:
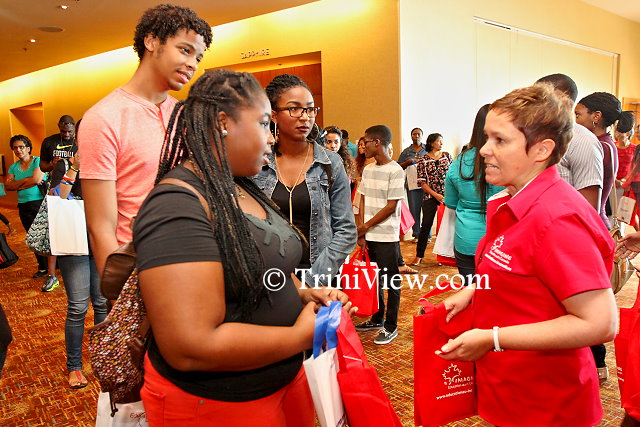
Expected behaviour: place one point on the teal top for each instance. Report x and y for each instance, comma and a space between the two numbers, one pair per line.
461, 195
28, 194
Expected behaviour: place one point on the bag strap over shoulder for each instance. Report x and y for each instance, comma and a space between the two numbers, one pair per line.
121, 263
183, 184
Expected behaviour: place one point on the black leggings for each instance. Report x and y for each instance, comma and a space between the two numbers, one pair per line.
429, 211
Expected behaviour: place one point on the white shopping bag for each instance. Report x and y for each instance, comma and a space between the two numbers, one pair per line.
67, 226
357, 196
322, 368
412, 177
446, 234
128, 415
625, 209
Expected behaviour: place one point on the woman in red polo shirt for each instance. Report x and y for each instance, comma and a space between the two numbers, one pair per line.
547, 258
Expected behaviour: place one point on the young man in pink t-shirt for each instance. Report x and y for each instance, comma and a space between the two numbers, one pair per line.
121, 136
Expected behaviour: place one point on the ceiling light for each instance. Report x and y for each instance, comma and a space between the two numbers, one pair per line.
63, 7
51, 29
32, 40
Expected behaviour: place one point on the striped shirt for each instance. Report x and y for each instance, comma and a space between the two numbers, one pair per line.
379, 185
582, 164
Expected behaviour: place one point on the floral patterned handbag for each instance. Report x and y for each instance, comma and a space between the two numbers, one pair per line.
38, 235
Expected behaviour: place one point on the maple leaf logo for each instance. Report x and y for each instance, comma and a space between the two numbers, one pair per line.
497, 243
451, 373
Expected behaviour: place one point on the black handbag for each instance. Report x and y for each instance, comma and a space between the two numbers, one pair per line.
7, 256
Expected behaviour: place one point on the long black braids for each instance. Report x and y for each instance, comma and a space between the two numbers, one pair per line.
193, 133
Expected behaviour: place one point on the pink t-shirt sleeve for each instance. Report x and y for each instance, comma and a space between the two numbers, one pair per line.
99, 146
572, 260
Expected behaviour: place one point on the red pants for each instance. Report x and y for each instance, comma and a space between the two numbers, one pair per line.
168, 405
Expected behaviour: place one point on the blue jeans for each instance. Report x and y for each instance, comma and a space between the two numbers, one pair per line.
415, 197
81, 281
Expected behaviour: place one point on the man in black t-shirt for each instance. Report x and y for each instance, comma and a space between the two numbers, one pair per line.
59, 146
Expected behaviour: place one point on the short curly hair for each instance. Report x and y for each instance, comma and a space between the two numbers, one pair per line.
539, 112
165, 21
23, 138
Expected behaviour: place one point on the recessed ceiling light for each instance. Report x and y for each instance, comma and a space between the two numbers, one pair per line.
63, 7
32, 40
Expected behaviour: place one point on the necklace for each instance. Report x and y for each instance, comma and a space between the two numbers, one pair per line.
290, 190
241, 193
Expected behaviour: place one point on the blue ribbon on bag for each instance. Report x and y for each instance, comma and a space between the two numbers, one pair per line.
325, 335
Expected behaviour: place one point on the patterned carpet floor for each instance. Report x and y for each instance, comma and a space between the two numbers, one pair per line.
34, 389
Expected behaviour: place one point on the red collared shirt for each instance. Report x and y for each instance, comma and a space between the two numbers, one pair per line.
542, 246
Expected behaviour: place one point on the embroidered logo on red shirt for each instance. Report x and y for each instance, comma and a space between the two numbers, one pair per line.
497, 256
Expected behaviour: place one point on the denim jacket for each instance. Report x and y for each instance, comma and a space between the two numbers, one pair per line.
332, 232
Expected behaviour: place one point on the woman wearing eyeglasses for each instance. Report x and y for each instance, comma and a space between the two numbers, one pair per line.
24, 176
307, 182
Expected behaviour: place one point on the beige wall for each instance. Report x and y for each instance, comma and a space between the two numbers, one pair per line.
441, 90
358, 43
361, 45
357, 39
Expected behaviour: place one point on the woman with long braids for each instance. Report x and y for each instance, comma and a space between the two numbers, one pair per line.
308, 183
228, 340
467, 191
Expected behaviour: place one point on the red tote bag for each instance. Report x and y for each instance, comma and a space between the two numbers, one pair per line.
444, 260
444, 391
364, 399
627, 344
359, 280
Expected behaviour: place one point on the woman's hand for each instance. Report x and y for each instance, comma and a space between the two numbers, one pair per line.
324, 296
468, 346
306, 323
439, 197
458, 302
628, 246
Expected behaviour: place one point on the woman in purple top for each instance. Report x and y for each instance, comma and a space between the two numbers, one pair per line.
597, 112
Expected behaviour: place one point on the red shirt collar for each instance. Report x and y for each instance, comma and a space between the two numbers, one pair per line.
525, 198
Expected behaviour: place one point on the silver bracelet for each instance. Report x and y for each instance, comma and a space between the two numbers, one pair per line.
496, 342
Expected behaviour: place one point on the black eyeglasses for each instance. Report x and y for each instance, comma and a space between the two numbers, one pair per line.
370, 140
296, 112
